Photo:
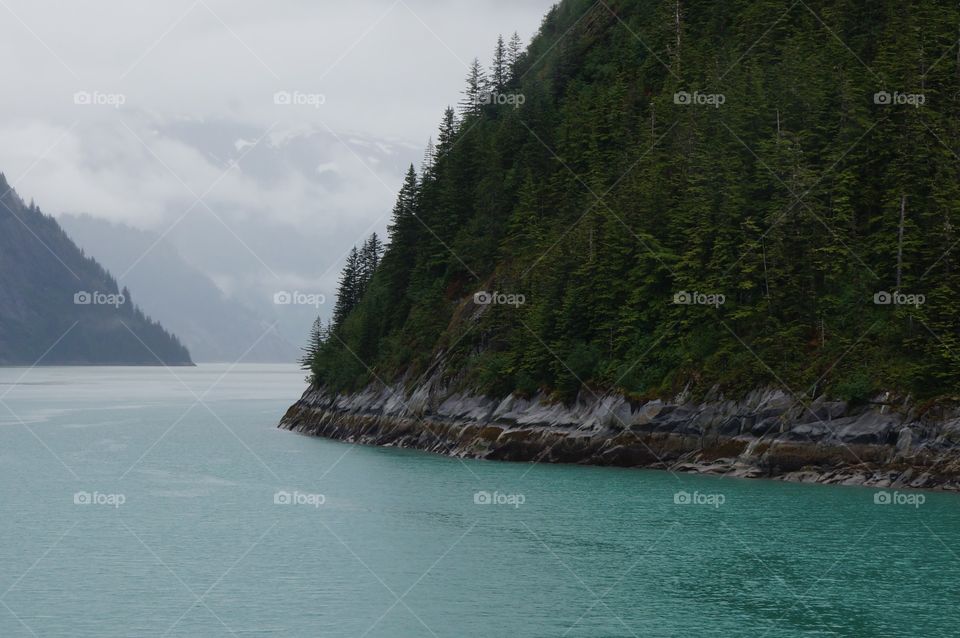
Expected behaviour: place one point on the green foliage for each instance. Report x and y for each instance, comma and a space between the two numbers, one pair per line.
856, 388
601, 195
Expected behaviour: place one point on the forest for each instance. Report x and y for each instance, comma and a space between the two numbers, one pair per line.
679, 196
59, 306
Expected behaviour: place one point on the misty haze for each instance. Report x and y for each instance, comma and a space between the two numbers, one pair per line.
504, 318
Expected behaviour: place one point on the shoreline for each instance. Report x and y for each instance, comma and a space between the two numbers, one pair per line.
761, 436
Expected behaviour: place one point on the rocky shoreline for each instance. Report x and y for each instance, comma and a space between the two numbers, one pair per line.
765, 435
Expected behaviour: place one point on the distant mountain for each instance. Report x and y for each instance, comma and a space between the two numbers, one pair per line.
58, 306
215, 327
286, 207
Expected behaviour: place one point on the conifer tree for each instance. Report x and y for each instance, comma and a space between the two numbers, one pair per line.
447, 134
499, 70
370, 255
402, 232
314, 345
474, 92
514, 53
429, 157
347, 292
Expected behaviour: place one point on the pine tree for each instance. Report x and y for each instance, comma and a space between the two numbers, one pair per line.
314, 345
514, 55
347, 292
370, 255
447, 135
473, 94
429, 157
399, 258
499, 70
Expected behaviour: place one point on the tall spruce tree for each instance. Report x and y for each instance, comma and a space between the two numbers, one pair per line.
499, 69
370, 255
348, 292
429, 157
314, 346
514, 55
447, 134
474, 92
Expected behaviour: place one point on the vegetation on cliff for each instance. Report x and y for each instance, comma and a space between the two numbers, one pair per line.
59, 306
683, 193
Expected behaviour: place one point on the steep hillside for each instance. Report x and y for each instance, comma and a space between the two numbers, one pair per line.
683, 196
185, 300
58, 306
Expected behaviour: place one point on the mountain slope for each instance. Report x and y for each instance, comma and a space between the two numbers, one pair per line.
58, 306
685, 197
215, 328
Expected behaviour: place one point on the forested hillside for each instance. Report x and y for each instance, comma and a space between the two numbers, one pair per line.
683, 194
213, 326
58, 306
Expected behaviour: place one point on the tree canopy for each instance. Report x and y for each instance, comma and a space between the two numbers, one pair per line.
687, 195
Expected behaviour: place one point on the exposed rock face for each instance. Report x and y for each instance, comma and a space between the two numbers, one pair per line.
767, 434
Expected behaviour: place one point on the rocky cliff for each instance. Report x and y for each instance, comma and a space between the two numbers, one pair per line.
765, 435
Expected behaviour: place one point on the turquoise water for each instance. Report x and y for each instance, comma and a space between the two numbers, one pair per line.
196, 517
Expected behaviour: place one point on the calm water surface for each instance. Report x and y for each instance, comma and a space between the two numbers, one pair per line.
144, 502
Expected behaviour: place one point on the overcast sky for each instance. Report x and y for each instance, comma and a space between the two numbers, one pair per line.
165, 116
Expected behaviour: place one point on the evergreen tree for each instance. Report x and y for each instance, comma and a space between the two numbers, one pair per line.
429, 157
403, 231
369, 257
349, 288
446, 136
475, 90
514, 55
499, 70
314, 345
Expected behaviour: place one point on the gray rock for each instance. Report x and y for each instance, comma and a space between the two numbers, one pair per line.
869, 428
